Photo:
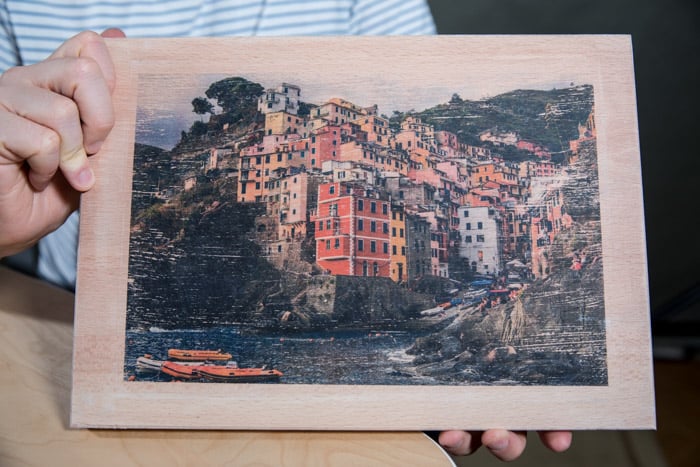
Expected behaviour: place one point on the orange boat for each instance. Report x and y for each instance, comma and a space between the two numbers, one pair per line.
198, 355
228, 374
180, 371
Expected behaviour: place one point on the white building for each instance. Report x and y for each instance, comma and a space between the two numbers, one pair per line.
479, 230
283, 98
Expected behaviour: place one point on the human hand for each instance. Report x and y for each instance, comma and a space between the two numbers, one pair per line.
505, 445
52, 116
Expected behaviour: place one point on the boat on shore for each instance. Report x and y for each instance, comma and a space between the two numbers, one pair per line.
180, 371
227, 374
147, 364
198, 355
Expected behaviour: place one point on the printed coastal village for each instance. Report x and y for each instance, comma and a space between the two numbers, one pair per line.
289, 221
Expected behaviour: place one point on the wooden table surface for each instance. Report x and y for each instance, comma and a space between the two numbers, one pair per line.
36, 336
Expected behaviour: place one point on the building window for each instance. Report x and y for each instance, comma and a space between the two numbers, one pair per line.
469, 226
468, 239
385, 209
373, 207
331, 190
480, 225
403, 251
385, 228
360, 224
480, 238
375, 269
393, 250
360, 205
337, 243
385, 248
373, 226
373, 246
360, 245
328, 244
401, 233
320, 225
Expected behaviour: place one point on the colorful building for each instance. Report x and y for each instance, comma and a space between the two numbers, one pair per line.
353, 230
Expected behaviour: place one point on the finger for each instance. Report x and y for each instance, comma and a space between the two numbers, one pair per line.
31, 99
505, 445
460, 443
557, 441
80, 80
23, 140
91, 45
94, 72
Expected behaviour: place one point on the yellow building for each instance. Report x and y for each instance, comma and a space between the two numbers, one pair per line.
280, 123
397, 245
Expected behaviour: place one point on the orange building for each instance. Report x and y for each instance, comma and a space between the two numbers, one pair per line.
492, 171
352, 230
376, 129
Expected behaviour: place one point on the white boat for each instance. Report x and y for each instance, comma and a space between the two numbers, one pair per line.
147, 364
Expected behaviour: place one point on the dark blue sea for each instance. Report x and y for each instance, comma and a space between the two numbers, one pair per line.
338, 357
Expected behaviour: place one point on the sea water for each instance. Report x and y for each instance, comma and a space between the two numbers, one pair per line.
329, 357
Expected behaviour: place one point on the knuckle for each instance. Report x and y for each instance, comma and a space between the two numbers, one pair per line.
86, 68
87, 37
65, 111
49, 142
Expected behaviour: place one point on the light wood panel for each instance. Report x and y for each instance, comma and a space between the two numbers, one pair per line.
101, 397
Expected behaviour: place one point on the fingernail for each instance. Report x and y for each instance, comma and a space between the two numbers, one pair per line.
86, 178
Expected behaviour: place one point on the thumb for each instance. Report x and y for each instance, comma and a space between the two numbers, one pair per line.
113, 33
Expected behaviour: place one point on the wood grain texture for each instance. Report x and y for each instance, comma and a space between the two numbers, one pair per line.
101, 397
36, 334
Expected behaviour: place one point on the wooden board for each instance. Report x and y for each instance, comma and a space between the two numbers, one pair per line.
515, 176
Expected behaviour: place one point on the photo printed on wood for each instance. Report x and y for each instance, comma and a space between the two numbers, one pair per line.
312, 235
366, 233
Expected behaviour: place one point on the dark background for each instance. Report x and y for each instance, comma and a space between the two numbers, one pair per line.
665, 41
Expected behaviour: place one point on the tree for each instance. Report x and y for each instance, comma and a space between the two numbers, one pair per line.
304, 109
236, 96
202, 106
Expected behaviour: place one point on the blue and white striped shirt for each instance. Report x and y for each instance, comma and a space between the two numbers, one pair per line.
30, 30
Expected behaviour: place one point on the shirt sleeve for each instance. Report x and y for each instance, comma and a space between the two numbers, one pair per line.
57, 256
9, 55
392, 17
